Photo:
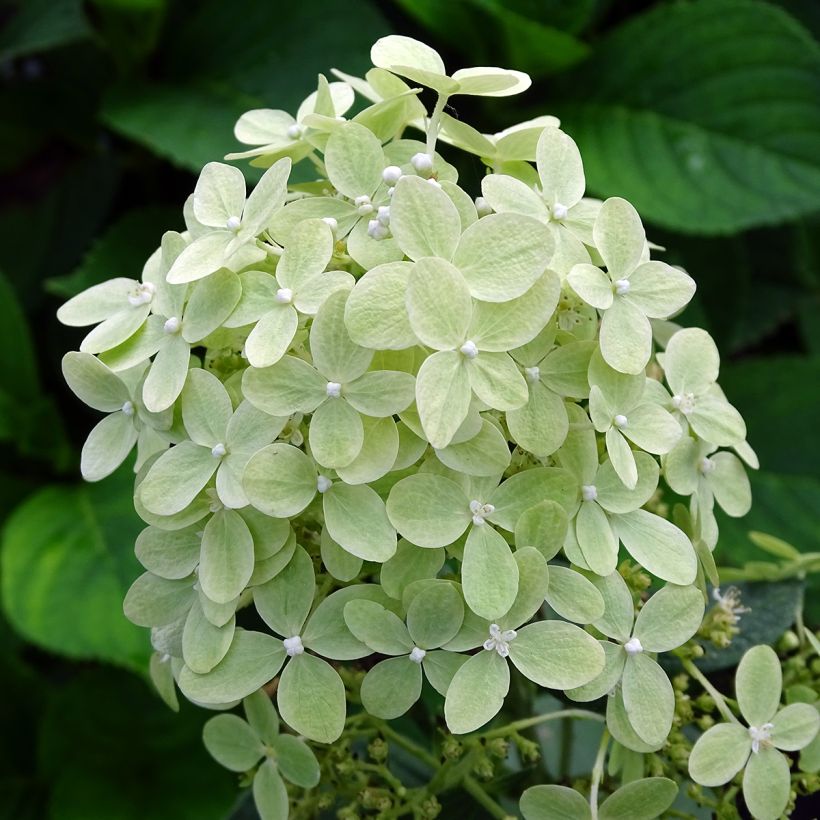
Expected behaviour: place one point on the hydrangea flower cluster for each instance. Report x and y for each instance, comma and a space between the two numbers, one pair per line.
377, 416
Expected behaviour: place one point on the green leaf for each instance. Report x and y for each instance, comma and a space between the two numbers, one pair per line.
42, 25
232, 742
391, 687
766, 784
671, 122
476, 692
311, 698
643, 799
64, 539
554, 803
759, 684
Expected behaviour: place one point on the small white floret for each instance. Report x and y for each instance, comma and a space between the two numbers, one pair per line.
622, 287
559, 211
142, 295
482, 206
620, 421
333, 390
294, 646
480, 511
363, 205
533, 374
633, 647
383, 214
423, 163
500, 641
128, 408
434, 182
706, 465
331, 223
295, 131
392, 174
233, 223
760, 735
685, 402
323, 483
589, 492
417, 655
377, 230
469, 349
284, 296
172, 325
218, 450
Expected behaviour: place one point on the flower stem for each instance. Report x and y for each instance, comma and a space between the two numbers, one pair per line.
483, 799
525, 723
597, 774
719, 700
434, 125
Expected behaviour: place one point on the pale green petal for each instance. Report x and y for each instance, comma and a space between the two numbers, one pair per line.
565, 369
486, 81
766, 784
356, 519
659, 290
271, 337
423, 219
620, 728
369, 252
409, 564
615, 497
680, 466
443, 396
232, 742
648, 698
337, 561
533, 582
626, 337
378, 628
284, 221
658, 545
438, 304
435, 615
715, 420
203, 644
253, 659
375, 312
609, 678
554, 803
556, 655
284, 602
758, 684
280, 480
206, 408
652, 428
486, 454
502, 255
560, 168
476, 692
573, 597
296, 761
154, 601
219, 194
354, 160
691, 361
381, 393
115, 330
391, 687
397, 50
266, 198
314, 292
311, 698
595, 537
335, 355
94, 383
204, 256
227, 559
795, 726
261, 715
621, 392
336, 433
176, 477
528, 488
622, 458
730, 484
501, 326
377, 455
541, 425
107, 446
505, 193
643, 799
269, 793
97, 303
669, 618
619, 237
619, 611
289, 386
579, 453
497, 381
489, 573
543, 526
440, 667
592, 285
169, 554
167, 374
212, 300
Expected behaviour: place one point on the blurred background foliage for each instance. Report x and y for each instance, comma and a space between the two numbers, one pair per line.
706, 114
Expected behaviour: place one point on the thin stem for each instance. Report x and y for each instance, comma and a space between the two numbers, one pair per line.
525, 723
433, 126
408, 745
719, 700
597, 775
482, 798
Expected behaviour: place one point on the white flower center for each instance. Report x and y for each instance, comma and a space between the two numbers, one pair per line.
559, 211
706, 465
218, 450
500, 641
331, 223
233, 223
293, 646
685, 402
172, 326
469, 349
392, 174
284, 296
760, 735
633, 647
363, 205
620, 421
128, 408
533, 374
622, 287
589, 492
480, 511
377, 230
142, 295
434, 182
423, 163
417, 655
295, 131
333, 390
482, 206
323, 483
383, 214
